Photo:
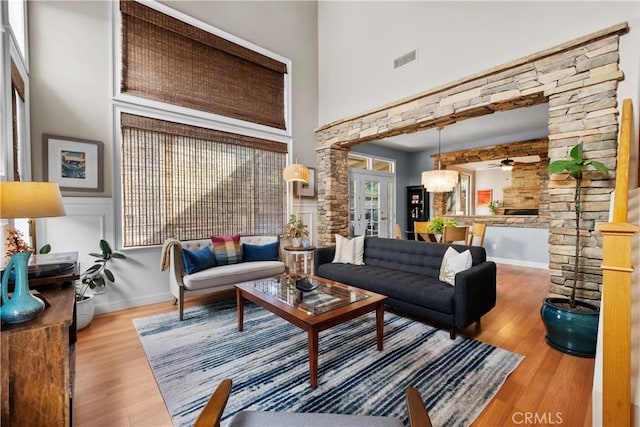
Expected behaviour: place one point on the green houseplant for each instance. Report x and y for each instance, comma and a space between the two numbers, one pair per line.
98, 275
572, 326
438, 223
295, 229
493, 206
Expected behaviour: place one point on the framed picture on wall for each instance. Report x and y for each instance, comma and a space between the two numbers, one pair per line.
75, 164
306, 190
483, 197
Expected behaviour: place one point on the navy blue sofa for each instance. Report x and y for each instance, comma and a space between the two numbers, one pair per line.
407, 272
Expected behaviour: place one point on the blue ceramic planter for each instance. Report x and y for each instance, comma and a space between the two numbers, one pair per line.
568, 330
22, 306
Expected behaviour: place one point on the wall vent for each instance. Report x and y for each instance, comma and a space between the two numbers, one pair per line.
405, 59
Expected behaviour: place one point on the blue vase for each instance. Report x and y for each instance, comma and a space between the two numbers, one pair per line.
568, 330
22, 306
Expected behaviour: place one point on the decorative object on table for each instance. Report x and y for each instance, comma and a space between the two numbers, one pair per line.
98, 275
256, 365
306, 189
305, 284
15, 242
75, 164
31, 200
572, 326
296, 230
483, 197
493, 206
440, 180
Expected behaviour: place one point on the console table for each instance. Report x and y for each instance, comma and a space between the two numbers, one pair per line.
38, 363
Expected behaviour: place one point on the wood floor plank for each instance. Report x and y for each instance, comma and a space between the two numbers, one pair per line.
115, 385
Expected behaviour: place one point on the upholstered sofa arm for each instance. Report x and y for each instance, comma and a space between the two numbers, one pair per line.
475, 293
323, 256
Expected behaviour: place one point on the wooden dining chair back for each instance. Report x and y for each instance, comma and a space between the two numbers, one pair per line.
476, 235
398, 232
455, 234
420, 227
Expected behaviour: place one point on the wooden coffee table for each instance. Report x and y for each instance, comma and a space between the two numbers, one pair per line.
330, 304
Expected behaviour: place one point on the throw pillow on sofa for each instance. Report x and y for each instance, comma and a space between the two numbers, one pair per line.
266, 252
453, 263
349, 251
199, 260
227, 249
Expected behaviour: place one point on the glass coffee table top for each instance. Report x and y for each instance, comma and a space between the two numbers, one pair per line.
324, 297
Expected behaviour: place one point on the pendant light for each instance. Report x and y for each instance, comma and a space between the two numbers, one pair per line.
440, 180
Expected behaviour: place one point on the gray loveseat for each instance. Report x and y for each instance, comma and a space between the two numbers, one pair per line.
407, 272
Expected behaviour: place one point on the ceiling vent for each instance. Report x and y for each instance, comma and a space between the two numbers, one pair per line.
405, 59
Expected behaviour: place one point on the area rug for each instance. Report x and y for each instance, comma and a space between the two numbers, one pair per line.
269, 366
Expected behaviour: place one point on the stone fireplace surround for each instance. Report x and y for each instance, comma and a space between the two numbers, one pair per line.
578, 79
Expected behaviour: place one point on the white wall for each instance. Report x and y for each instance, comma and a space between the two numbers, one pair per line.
71, 62
358, 41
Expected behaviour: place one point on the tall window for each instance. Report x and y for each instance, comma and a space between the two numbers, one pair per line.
188, 182
192, 178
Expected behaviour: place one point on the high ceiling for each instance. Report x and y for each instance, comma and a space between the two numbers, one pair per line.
492, 126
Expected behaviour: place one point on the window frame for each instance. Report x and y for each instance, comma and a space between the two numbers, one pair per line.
126, 103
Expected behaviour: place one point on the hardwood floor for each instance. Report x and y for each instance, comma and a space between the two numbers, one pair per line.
115, 386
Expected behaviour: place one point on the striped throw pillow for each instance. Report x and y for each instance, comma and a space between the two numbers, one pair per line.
227, 249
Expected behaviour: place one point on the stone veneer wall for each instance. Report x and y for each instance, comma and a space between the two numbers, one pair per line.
578, 79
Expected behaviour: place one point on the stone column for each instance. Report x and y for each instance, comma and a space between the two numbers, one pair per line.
333, 194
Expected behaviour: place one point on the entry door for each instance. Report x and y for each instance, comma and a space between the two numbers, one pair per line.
371, 204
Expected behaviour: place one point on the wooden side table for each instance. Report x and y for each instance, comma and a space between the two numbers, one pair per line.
306, 253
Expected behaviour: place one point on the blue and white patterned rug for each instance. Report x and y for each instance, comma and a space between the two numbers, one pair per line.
269, 366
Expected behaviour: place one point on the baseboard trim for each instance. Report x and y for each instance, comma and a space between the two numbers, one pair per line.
136, 302
519, 262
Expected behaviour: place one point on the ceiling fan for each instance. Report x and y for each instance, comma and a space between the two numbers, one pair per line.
506, 164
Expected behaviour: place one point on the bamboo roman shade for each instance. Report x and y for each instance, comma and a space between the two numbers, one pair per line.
168, 60
190, 182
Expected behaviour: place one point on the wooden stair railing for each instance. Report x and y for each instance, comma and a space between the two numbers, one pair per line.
616, 290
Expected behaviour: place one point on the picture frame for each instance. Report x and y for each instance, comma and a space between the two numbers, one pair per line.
300, 189
75, 164
484, 197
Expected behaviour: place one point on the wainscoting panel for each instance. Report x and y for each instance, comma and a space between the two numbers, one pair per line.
87, 220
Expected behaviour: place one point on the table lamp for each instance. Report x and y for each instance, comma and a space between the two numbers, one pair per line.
19, 199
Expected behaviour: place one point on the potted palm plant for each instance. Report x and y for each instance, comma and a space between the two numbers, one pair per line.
96, 276
295, 229
572, 325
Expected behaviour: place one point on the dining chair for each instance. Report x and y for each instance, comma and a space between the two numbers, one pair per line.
476, 235
420, 227
397, 231
455, 234
213, 410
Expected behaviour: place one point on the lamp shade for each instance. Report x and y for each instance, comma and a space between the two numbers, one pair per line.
21, 199
439, 181
296, 172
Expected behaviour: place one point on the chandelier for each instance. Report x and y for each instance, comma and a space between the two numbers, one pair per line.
440, 180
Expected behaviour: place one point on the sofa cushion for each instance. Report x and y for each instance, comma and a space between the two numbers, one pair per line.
267, 252
231, 274
453, 263
227, 249
396, 284
198, 260
349, 251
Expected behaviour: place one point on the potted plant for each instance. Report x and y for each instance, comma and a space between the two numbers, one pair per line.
98, 275
437, 224
572, 325
493, 206
296, 230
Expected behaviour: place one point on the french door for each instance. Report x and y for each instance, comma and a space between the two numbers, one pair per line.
371, 203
